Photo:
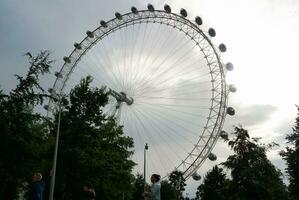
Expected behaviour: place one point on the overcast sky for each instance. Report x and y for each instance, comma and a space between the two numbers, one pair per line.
261, 37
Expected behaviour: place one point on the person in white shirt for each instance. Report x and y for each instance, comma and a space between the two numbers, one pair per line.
155, 191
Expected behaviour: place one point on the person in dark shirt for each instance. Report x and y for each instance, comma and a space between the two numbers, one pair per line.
36, 190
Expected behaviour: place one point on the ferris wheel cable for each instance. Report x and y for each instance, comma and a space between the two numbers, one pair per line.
129, 41
154, 127
108, 64
180, 119
110, 61
193, 87
153, 47
178, 87
145, 130
174, 140
133, 53
165, 58
172, 67
162, 47
163, 76
88, 73
175, 153
143, 42
123, 49
188, 135
112, 50
162, 116
172, 114
174, 105
163, 61
136, 145
173, 98
96, 64
164, 81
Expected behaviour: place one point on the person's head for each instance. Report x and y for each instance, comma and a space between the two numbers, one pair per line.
87, 187
155, 178
37, 177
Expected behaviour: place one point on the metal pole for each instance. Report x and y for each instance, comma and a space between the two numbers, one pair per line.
52, 186
144, 162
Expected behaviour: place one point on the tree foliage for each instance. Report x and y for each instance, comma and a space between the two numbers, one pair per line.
175, 187
22, 131
214, 186
253, 175
92, 147
291, 156
138, 187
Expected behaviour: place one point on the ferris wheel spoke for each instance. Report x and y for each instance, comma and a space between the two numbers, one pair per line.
152, 48
173, 88
163, 115
182, 42
111, 65
163, 46
152, 76
166, 82
154, 126
145, 130
102, 66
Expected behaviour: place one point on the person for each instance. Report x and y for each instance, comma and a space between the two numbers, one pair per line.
36, 190
155, 191
89, 193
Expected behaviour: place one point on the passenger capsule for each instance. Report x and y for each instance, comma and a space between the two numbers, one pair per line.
222, 47
230, 111
232, 88
229, 66
134, 10
78, 46
103, 23
67, 59
224, 135
212, 157
118, 15
150, 7
58, 74
198, 20
212, 32
167, 8
183, 12
90, 34
196, 176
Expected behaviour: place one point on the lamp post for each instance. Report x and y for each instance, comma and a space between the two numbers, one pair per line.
144, 162
52, 185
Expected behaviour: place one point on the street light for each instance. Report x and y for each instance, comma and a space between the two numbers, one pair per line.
52, 185
144, 162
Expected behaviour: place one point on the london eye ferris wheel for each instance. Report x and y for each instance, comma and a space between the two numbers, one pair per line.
166, 80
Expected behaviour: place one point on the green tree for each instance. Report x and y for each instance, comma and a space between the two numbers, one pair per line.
92, 147
177, 181
214, 186
253, 175
138, 188
291, 156
168, 192
22, 131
